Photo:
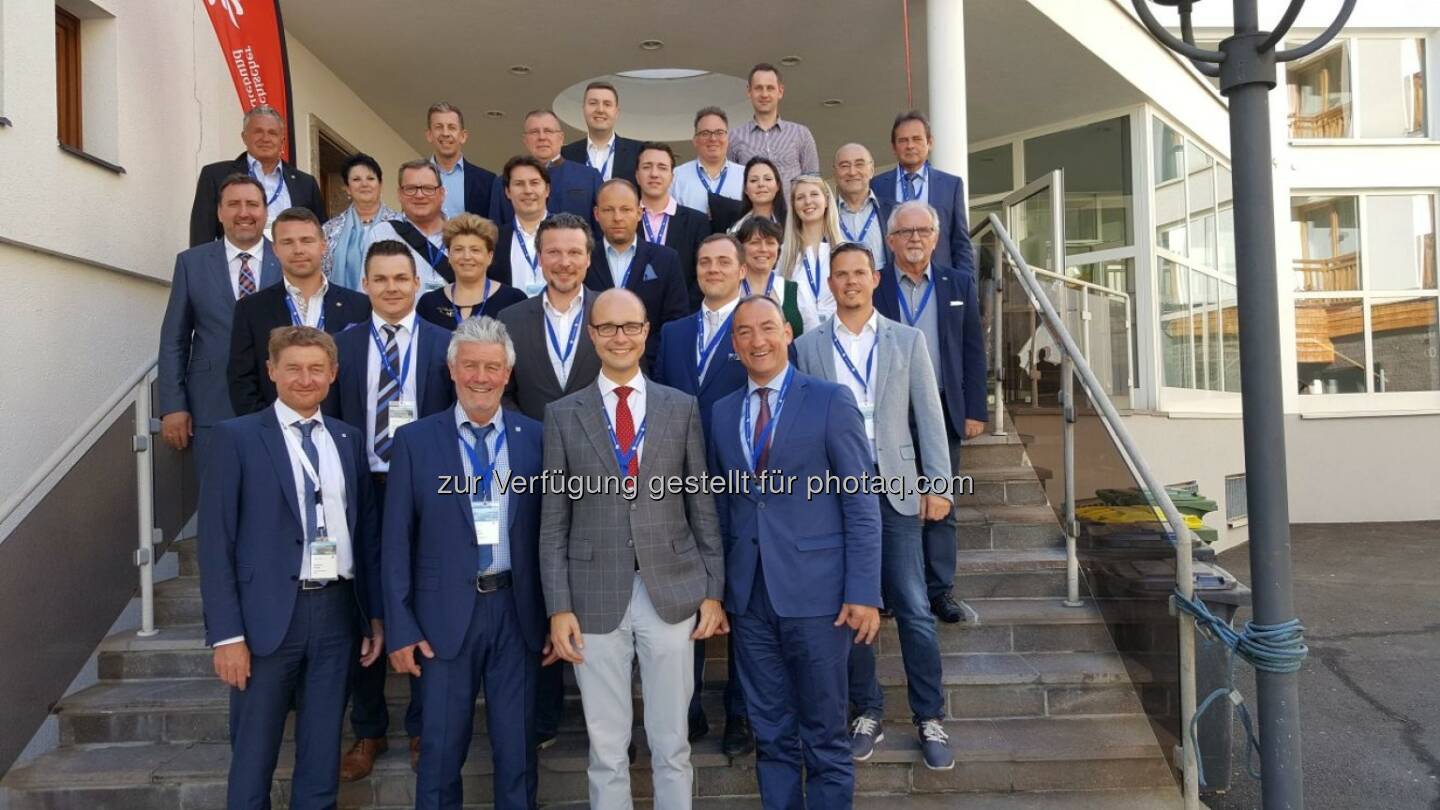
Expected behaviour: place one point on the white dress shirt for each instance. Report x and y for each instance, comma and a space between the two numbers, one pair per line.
562, 323
858, 348
601, 158
525, 277
232, 263
636, 401
620, 262
689, 189
500, 557
272, 182
404, 342
311, 309
814, 309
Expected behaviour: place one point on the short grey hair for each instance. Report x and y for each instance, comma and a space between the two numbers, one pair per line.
259, 110
484, 330
911, 206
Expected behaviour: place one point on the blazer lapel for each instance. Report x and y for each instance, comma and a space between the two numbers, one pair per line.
586, 364
422, 360
598, 277
637, 268
540, 337
659, 413
334, 309
274, 442
447, 439
823, 348
718, 357
794, 409
591, 409
269, 265
340, 434
885, 356
217, 274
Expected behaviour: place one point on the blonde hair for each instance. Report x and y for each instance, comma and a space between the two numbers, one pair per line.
793, 245
468, 224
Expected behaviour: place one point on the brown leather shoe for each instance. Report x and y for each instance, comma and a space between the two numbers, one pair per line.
415, 754
360, 759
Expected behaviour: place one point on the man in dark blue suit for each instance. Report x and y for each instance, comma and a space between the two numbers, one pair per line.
392, 371
573, 185
696, 356
462, 575
943, 303
467, 186
289, 574
195, 335
649, 270
915, 179
802, 559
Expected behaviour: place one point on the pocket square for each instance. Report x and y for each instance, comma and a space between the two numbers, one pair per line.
650, 273
957, 303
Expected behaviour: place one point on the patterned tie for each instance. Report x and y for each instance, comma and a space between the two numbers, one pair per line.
247, 276
912, 182
482, 453
311, 510
625, 427
385, 392
760, 422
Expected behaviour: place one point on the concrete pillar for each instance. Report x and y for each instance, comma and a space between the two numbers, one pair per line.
945, 54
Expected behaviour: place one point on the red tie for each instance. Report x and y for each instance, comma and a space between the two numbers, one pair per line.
761, 421
625, 427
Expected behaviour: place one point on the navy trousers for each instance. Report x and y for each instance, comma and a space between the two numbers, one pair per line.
310, 669
495, 655
939, 535
793, 671
734, 698
550, 699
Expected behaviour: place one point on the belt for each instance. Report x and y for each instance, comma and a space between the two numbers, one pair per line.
321, 584
490, 583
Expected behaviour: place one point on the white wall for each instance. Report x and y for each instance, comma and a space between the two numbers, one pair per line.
1203, 450
1363, 468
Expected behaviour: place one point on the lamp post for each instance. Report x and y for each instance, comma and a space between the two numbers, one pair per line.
1245, 65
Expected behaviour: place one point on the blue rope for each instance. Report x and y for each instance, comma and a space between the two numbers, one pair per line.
1278, 648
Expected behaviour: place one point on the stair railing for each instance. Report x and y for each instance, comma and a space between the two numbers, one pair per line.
143, 443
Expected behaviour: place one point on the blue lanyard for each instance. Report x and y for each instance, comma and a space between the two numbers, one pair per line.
385, 361
814, 281
625, 279
624, 456
570, 343
768, 433
485, 474
484, 296
769, 284
296, 320
705, 181
903, 188
924, 302
279, 187
604, 167
869, 361
703, 352
664, 228
524, 251
432, 253
864, 229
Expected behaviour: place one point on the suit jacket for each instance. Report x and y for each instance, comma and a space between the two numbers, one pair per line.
627, 156
255, 315
819, 552
590, 547
687, 229
429, 538
252, 537
195, 334
904, 383
655, 276
479, 185
532, 383
573, 187
675, 365
348, 399
946, 193
205, 227
962, 342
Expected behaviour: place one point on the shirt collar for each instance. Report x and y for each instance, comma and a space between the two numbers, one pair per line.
458, 168
773, 383
288, 416
577, 305
256, 252
600, 147
607, 385
870, 199
614, 255
724, 311
755, 125
254, 165
901, 275
872, 325
462, 419
407, 323
670, 208
295, 291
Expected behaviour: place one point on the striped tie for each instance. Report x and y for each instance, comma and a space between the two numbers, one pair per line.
387, 391
247, 276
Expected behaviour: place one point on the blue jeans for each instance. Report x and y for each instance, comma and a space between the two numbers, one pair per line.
902, 582
940, 557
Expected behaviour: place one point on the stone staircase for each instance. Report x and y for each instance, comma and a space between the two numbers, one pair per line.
1042, 712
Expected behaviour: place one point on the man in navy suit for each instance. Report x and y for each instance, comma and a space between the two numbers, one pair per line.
195, 335
663, 219
304, 298
915, 179
942, 302
602, 148
467, 186
289, 574
462, 572
802, 559
573, 185
649, 270
392, 372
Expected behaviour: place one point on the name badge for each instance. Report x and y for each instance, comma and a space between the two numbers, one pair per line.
402, 412
867, 410
486, 515
324, 562
533, 288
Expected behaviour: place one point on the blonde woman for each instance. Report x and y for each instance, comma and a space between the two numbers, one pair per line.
470, 245
811, 229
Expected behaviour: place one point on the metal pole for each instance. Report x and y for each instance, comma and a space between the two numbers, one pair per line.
1067, 466
145, 495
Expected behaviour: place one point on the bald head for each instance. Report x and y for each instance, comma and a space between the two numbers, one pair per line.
853, 169
621, 314
616, 305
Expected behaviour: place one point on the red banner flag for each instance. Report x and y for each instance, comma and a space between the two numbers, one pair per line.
252, 39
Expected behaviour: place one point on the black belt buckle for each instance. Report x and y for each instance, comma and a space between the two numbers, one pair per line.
315, 584
490, 583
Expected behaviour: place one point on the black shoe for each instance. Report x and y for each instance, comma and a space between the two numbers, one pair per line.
544, 740
946, 609
699, 727
887, 613
630, 752
739, 740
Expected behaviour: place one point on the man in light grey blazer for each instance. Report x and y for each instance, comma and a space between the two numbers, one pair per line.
632, 571
195, 334
886, 365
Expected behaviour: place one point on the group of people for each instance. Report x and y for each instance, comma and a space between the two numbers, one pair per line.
379, 405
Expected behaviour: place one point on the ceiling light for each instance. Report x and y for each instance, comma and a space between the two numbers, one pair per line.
494, 113
662, 74
831, 102
790, 61
651, 44
520, 70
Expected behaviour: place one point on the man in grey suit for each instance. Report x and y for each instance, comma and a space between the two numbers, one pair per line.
633, 571
886, 365
195, 335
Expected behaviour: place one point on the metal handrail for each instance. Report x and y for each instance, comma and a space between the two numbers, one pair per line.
144, 447
1074, 366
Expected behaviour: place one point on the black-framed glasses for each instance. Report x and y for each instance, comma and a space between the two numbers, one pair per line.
707, 134
906, 233
419, 191
631, 328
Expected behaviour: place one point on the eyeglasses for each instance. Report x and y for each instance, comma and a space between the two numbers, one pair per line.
912, 233
708, 134
631, 328
419, 191
534, 132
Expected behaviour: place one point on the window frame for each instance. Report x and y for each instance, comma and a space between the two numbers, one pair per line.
69, 81
1353, 61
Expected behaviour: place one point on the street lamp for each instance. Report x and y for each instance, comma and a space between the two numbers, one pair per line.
1245, 65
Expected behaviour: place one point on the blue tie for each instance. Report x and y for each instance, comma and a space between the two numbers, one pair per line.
912, 182
482, 454
311, 511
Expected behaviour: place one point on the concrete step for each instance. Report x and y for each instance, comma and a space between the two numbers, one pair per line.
1017, 485
992, 755
1023, 572
1002, 526
992, 451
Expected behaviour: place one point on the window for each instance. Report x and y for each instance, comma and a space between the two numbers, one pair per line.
68, 79
1367, 313
1096, 162
1320, 95
992, 171
1363, 87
